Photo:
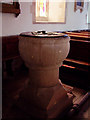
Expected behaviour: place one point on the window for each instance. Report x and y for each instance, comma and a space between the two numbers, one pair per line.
42, 10
48, 11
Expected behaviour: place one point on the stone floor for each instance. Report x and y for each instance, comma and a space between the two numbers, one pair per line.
13, 85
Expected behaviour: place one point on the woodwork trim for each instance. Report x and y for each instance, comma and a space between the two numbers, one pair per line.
10, 8
10, 47
76, 64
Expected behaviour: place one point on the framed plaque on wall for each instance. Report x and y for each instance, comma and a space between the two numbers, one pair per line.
79, 4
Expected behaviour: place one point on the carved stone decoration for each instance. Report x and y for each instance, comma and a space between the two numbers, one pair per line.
44, 96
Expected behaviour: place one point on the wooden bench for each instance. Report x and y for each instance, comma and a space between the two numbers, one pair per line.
75, 68
80, 35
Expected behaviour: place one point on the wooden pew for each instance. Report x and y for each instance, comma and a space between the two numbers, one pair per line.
80, 36
79, 46
76, 65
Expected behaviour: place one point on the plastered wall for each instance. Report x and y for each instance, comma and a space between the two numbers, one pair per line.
12, 25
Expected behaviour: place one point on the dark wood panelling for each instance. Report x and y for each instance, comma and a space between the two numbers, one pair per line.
75, 68
10, 8
79, 50
10, 47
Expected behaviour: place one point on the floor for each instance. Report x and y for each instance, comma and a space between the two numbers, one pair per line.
13, 85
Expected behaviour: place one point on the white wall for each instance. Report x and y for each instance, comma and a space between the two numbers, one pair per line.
12, 25
89, 13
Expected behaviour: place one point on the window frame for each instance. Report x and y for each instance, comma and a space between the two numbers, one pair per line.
46, 22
